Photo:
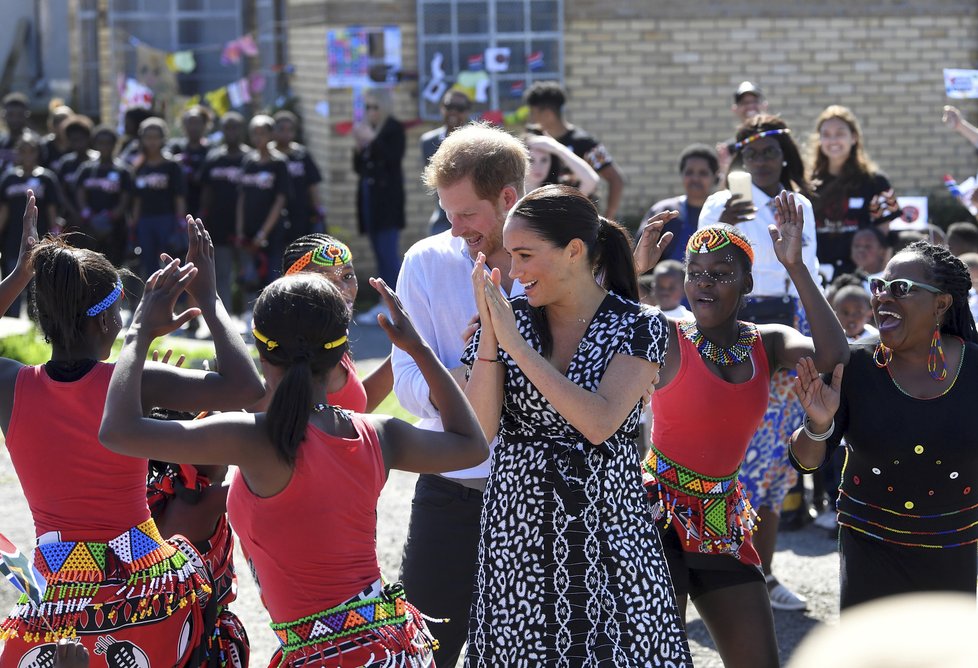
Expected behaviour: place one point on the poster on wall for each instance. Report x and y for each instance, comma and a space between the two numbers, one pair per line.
361, 57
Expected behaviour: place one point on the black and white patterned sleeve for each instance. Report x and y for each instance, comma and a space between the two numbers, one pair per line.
471, 349
647, 337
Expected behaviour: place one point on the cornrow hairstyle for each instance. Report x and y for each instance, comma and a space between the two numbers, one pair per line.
952, 276
793, 173
67, 282
303, 245
296, 315
558, 214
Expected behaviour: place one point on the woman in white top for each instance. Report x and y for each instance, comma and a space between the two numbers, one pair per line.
765, 150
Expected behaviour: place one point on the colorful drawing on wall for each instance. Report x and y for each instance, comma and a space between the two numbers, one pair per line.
961, 84
361, 57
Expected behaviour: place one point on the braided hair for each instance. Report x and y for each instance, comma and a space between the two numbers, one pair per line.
952, 276
67, 282
296, 315
303, 245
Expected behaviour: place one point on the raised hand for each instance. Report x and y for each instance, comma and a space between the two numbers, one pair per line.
819, 400
652, 244
501, 314
787, 235
737, 210
200, 253
154, 315
28, 235
398, 327
951, 117
166, 358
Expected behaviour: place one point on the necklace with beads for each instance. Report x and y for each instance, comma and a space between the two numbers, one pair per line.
719, 355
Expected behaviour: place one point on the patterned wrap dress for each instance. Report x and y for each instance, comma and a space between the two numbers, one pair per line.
571, 571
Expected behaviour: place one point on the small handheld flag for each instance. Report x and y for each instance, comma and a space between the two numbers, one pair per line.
17, 567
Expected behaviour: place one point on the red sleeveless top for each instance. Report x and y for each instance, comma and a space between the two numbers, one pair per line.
703, 422
352, 396
72, 483
313, 545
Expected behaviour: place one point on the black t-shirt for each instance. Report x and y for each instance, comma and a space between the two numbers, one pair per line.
261, 183
842, 209
103, 185
587, 147
911, 475
66, 167
303, 173
14, 185
191, 158
157, 186
8, 154
221, 173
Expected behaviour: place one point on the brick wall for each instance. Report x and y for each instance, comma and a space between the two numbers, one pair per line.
649, 78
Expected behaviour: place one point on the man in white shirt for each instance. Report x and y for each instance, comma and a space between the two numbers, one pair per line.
477, 173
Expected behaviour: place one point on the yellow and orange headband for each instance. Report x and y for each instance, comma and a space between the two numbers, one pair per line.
332, 254
710, 239
272, 345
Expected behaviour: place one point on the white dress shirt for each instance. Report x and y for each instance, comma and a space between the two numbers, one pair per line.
770, 277
435, 286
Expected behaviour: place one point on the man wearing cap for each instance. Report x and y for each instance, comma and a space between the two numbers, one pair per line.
748, 101
455, 108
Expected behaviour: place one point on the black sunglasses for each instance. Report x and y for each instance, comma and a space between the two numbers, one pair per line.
455, 107
371, 107
899, 288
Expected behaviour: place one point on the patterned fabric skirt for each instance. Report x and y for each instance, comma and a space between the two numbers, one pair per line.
571, 571
135, 601
377, 628
227, 644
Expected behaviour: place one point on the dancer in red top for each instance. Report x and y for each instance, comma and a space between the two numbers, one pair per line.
309, 474
132, 598
328, 256
724, 366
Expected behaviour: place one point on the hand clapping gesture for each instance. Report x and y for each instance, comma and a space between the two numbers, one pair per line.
819, 400
495, 312
652, 244
787, 235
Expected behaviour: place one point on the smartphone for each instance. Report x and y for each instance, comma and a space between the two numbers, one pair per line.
739, 183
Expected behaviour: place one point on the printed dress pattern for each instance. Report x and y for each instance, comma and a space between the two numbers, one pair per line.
571, 571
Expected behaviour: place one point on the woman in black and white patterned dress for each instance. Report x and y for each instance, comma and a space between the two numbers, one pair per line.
571, 571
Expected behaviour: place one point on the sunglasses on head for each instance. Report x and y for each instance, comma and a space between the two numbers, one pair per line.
898, 287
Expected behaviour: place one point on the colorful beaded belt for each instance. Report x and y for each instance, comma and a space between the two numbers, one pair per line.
345, 620
681, 479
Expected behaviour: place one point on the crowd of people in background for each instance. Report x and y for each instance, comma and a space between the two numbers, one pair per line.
770, 321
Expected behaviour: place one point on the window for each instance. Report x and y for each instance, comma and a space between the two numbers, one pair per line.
494, 48
201, 26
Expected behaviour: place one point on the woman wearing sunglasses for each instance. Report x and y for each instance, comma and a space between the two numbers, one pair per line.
908, 502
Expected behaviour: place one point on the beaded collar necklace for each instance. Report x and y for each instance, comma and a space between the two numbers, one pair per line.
719, 355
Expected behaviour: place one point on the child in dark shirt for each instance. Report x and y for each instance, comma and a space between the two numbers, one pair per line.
160, 199
103, 188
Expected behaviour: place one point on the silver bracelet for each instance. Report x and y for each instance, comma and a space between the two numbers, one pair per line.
817, 437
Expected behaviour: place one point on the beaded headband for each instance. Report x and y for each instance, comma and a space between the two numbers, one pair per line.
108, 301
272, 345
328, 255
711, 239
760, 135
